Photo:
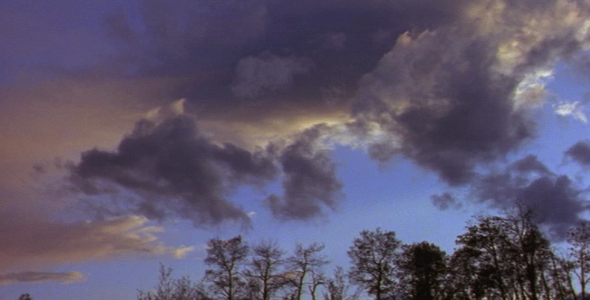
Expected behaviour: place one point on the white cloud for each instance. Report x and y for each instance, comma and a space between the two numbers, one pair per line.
571, 109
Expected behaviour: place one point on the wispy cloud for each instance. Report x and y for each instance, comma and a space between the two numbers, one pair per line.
38, 243
38, 277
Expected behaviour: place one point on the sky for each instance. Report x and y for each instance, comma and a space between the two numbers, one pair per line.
132, 132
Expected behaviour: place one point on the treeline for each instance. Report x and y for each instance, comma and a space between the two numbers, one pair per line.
499, 257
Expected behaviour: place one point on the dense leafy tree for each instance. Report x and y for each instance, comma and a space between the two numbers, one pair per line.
510, 255
373, 256
422, 269
226, 259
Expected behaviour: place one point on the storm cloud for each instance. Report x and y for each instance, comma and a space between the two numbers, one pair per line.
448, 85
455, 97
580, 153
310, 181
175, 171
451, 85
556, 200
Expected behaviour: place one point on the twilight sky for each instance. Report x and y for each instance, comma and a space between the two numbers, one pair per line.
131, 132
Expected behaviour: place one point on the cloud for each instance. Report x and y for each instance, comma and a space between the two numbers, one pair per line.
579, 152
447, 84
310, 181
37, 277
556, 201
445, 201
573, 109
35, 243
256, 76
453, 96
168, 168
174, 171
446, 107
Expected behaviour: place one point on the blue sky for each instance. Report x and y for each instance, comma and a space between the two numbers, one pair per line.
133, 132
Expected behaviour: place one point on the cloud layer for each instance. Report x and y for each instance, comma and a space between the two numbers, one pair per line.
557, 201
271, 86
37, 277
37, 243
449, 85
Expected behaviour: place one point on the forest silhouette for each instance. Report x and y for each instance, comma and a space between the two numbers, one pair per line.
506, 257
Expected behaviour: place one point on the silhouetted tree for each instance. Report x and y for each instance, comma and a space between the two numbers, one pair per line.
422, 268
579, 240
263, 271
25, 297
169, 288
337, 287
305, 261
373, 257
226, 259
510, 255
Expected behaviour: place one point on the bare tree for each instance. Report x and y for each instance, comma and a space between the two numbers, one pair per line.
373, 256
169, 288
579, 240
264, 269
337, 287
305, 261
226, 259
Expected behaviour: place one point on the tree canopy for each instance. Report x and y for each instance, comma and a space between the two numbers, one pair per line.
506, 257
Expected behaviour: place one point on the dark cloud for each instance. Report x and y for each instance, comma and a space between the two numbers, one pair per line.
256, 76
556, 201
310, 181
445, 201
439, 82
580, 152
447, 108
452, 97
37, 277
530, 164
175, 170
227, 51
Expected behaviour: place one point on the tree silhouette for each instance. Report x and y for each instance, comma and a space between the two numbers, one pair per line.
169, 288
306, 261
422, 267
25, 297
373, 256
226, 258
263, 271
579, 239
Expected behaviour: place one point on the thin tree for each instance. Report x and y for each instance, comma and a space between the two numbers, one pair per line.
579, 240
337, 287
226, 258
169, 288
305, 261
264, 269
373, 256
